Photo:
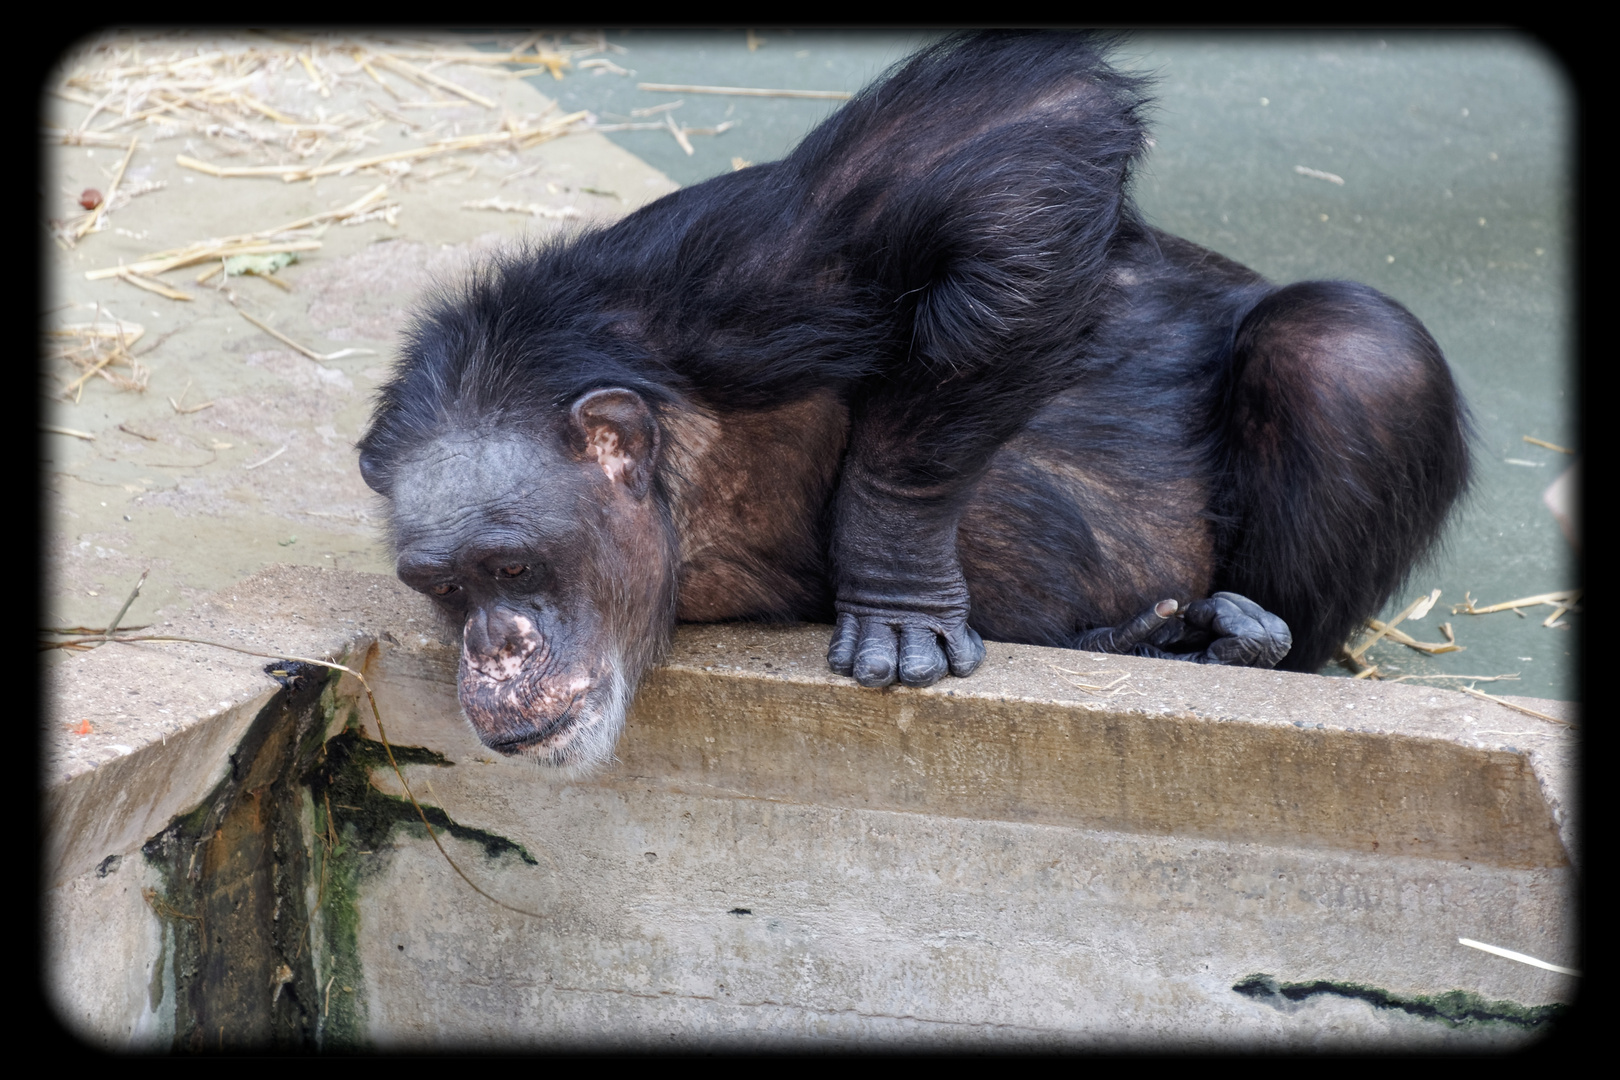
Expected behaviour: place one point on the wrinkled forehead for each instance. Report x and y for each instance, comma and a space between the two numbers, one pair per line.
499, 477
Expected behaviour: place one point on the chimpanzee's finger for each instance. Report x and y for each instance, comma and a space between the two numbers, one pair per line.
1122, 639
1282, 638
922, 661
1272, 623
964, 648
841, 650
1223, 613
877, 656
1175, 633
1256, 650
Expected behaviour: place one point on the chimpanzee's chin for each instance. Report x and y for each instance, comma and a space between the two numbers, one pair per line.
578, 738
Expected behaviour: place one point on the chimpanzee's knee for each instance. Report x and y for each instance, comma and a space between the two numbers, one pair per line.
1347, 446
1326, 354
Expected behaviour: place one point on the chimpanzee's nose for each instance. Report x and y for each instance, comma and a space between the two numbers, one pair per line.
497, 641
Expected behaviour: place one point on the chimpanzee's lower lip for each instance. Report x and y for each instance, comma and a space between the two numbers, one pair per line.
513, 747
520, 744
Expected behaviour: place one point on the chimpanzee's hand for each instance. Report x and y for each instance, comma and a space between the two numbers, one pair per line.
876, 647
1221, 629
901, 599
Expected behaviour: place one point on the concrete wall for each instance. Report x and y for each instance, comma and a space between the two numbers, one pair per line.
780, 857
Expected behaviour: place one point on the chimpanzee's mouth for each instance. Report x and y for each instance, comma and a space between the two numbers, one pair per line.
573, 732
513, 745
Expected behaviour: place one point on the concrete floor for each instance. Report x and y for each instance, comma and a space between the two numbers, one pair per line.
1455, 151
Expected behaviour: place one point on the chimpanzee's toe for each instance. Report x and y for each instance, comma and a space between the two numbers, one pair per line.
879, 651
877, 657
1246, 634
964, 649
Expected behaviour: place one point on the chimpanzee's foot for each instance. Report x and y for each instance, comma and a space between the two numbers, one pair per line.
1222, 629
915, 649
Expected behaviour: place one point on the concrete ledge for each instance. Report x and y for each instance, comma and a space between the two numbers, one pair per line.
1261, 757
1335, 831
165, 718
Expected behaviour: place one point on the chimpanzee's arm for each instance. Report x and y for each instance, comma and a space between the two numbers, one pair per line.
901, 599
989, 267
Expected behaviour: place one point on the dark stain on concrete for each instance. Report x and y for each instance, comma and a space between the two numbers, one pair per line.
367, 816
1454, 1008
238, 873
235, 870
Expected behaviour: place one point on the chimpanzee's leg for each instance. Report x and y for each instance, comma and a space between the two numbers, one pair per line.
1347, 444
901, 598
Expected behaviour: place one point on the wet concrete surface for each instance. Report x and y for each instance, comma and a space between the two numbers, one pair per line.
1455, 152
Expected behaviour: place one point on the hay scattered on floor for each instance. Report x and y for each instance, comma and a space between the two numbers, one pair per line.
745, 91
1111, 688
1510, 676
98, 349
1562, 601
1318, 174
294, 236
534, 209
1483, 696
1532, 440
1433, 648
1417, 609
232, 97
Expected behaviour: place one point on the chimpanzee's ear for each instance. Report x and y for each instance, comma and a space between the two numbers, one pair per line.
617, 429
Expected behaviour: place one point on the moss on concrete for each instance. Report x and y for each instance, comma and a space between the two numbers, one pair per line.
1455, 1008
368, 816
354, 826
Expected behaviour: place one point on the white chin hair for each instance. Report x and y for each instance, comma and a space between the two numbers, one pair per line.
587, 745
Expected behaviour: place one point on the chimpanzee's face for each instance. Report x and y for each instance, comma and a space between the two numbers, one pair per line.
555, 562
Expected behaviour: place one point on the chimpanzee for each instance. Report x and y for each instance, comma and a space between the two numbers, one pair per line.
930, 377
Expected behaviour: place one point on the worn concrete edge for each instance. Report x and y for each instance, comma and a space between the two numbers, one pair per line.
156, 709
153, 706
1174, 693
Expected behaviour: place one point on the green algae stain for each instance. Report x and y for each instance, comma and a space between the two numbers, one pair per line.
355, 826
343, 829
370, 815
1454, 1008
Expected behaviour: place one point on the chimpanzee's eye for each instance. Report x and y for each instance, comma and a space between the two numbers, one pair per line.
513, 570
444, 589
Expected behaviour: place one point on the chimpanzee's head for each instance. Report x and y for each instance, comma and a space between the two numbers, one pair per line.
548, 547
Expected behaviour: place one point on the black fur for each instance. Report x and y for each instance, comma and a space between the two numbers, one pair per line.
901, 243
1056, 416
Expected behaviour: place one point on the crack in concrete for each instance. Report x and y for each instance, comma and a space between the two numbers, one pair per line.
769, 1003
